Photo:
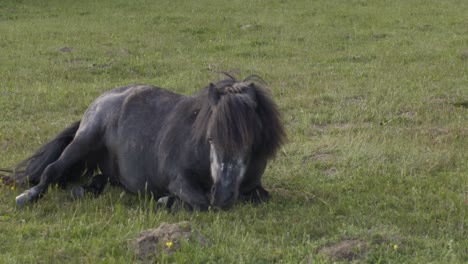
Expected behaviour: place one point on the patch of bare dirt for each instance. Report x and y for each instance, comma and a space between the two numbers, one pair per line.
463, 104
438, 131
408, 114
119, 52
166, 238
319, 156
76, 61
323, 157
464, 55
330, 171
346, 250
65, 49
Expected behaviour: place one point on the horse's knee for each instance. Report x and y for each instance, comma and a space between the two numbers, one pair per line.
50, 174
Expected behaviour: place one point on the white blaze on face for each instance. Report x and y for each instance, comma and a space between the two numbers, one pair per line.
215, 165
242, 170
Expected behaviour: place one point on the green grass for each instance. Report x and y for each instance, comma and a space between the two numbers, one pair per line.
371, 92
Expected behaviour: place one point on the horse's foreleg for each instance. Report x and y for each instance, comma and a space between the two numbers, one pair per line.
255, 196
51, 173
251, 190
173, 204
72, 154
189, 194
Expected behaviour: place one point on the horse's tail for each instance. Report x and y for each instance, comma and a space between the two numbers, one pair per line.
29, 171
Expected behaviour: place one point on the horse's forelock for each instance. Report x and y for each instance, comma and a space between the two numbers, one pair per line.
244, 116
234, 123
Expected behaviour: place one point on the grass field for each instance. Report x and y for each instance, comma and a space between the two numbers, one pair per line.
373, 96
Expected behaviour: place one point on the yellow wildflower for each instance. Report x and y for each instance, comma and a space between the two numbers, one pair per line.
12, 188
169, 244
395, 247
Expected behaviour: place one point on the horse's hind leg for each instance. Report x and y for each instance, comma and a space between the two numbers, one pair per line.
94, 187
74, 153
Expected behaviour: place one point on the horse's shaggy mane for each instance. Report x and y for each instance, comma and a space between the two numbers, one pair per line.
244, 115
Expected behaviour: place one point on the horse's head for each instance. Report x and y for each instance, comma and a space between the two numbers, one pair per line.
232, 129
240, 122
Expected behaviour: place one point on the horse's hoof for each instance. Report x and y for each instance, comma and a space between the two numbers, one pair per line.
77, 192
23, 199
165, 202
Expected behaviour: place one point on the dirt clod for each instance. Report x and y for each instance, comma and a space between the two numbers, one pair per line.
166, 238
346, 250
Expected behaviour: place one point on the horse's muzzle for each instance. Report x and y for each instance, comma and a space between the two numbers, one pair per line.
222, 199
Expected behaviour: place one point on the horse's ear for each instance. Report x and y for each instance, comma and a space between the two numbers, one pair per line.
213, 94
251, 91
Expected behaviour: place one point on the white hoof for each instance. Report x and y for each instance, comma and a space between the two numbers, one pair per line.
23, 199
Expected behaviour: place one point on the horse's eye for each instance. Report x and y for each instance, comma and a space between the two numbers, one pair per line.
210, 140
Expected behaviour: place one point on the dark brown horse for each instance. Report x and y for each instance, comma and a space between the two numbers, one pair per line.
209, 149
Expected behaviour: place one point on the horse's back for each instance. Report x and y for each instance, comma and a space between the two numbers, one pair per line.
125, 102
129, 120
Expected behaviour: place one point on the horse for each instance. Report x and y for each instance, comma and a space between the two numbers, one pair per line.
204, 151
